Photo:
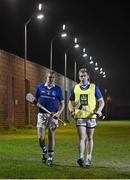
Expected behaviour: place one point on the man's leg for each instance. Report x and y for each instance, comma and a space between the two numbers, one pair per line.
41, 138
51, 145
90, 133
82, 138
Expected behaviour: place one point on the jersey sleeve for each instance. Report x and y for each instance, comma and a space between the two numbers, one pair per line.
60, 95
72, 95
98, 93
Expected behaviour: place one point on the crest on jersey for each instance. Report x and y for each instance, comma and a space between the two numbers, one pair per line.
84, 99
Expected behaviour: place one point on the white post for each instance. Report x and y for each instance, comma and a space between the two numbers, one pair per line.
51, 55
65, 71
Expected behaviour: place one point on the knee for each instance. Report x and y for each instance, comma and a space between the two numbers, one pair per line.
90, 138
82, 138
41, 139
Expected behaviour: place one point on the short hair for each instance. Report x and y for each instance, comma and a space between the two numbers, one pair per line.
83, 70
51, 72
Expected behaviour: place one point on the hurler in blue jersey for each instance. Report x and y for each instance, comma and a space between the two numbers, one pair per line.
50, 96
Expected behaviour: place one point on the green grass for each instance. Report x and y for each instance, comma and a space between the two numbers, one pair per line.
20, 154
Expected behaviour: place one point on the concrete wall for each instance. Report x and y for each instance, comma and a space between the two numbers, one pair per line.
16, 79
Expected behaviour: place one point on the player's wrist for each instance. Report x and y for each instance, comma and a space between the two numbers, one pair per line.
99, 113
59, 113
35, 101
72, 111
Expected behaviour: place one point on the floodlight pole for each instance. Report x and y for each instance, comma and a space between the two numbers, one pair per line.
40, 16
51, 55
25, 46
51, 44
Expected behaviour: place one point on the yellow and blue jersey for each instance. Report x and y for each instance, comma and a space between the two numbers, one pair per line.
85, 95
49, 97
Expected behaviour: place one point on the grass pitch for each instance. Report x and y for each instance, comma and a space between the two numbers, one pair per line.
20, 154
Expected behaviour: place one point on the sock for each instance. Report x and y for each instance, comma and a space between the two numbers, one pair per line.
81, 156
43, 146
89, 156
50, 155
44, 149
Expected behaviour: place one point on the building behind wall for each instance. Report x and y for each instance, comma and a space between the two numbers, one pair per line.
14, 110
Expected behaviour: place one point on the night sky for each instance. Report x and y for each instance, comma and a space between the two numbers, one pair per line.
102, 28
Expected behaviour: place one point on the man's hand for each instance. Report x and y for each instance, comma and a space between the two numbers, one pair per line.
56, 115
35, 101
99, 113
72, 114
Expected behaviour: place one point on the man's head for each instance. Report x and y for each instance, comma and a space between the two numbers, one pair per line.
50, 78
83, 75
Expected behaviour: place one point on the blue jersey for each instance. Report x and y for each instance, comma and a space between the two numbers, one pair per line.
49, 97
98, 93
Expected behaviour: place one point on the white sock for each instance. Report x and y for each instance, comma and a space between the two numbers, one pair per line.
81, 156
89, 156
50, 158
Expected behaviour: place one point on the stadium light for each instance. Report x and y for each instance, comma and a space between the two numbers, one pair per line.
39, 16
75, 45
104, 75
40, 7
91, 61
63, 34
101, 71
84, 54
96, 66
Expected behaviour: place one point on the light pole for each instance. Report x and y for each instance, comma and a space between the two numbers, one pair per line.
63, 34
39, 17
27, 106
75, 63
75, 45
25, 40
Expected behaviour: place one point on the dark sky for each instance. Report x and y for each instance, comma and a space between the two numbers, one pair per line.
102, 28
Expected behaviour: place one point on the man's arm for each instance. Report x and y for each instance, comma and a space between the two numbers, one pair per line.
61, 108
71, 107
100, 107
